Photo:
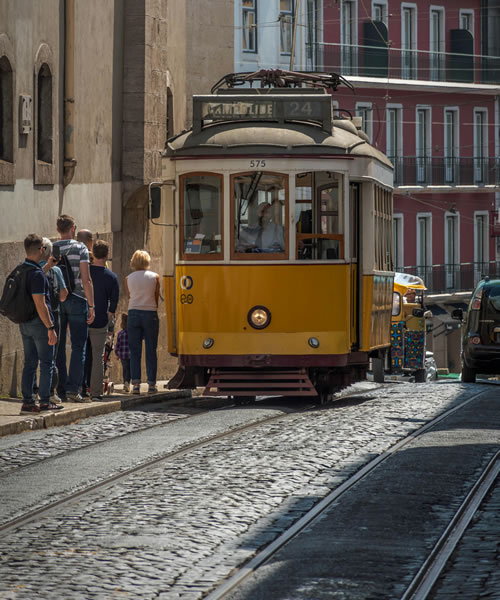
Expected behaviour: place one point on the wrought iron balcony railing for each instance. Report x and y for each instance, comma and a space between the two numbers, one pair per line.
423, 170
451, 278
396, 63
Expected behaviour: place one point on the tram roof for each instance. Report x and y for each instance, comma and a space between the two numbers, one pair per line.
289, 138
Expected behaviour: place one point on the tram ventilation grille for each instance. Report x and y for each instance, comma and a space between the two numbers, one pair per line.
259, 383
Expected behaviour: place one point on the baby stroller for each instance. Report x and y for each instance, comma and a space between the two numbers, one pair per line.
108, 349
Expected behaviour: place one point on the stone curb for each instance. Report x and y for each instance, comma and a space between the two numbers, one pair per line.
71, 415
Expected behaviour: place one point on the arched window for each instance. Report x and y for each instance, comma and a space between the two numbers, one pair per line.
6, 111
44, 113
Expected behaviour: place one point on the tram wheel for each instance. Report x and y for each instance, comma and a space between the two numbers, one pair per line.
243, 400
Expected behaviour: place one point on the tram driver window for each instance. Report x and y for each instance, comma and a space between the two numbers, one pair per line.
260, 213
201, 215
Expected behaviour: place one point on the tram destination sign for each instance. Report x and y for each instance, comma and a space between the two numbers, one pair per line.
310, 108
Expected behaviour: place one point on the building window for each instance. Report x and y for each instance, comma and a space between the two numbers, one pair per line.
423, 145
481, 250
286, 26
409, 42
398, 242
249, 25
312, 28
348, 37
6, 111
365, 111
480, 145
451, 251
437, 46
450, 145
394, 144
44, 114
170, 114
467, 20
424, 246
379, 12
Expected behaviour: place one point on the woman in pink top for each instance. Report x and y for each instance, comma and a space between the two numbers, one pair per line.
143, 290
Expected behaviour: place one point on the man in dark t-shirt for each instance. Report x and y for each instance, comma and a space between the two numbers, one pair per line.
38, 335
106, 292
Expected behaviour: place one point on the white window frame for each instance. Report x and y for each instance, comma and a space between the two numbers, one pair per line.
423, 153
385, 10
245, 10
485, 243
362, 109
398, 225
480, 144
311, 59
393, 153
286, 18
450, 158
422, 269
349, 46
335, 108
409, 47
469, 12
436, 47
451, 262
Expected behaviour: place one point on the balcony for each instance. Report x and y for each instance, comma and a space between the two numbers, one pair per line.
425, 171
450, 278
380, 61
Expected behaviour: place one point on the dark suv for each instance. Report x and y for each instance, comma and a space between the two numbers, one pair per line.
481, 331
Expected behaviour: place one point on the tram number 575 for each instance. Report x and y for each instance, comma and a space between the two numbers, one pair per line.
257, 162
186, 299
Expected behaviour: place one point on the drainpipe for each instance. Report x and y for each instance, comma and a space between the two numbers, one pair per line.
69, 91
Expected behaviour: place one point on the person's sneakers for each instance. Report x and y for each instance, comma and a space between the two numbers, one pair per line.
55, 399
78, 398
51, 406
152, 389
136, 389
29, 409
97, 398
126, 387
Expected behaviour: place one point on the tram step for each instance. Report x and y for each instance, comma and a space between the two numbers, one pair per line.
259, 383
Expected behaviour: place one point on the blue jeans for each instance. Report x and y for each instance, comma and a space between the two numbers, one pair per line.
143, 325
73, 312
36, 349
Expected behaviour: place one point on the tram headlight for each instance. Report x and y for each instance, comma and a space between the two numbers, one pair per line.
313, 342
208, 343
259, 317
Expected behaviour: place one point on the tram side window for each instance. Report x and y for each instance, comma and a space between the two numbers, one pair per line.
319, 212
260, 210
201, 215
383, 229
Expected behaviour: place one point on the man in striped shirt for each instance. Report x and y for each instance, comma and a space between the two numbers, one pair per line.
77, 311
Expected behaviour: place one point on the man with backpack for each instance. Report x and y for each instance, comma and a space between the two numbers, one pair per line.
38, 333
58, 294
78, 310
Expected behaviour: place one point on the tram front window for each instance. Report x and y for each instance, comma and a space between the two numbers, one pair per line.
260, 201
201, 215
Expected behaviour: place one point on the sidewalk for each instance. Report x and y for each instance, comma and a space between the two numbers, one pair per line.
12, 422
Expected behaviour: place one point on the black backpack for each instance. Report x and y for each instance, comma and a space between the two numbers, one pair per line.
67, 272
54, 289
17, 303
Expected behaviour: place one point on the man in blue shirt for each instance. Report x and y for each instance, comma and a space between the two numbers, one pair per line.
106, 292
38, 335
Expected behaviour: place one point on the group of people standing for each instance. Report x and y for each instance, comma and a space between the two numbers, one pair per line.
80, 294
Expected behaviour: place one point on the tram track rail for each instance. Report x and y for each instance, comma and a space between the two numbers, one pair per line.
262, 557
39, 512
425, 579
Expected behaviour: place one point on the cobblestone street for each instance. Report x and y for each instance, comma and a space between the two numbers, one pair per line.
177, 529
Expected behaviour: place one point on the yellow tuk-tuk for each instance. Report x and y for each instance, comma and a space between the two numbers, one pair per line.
408, 327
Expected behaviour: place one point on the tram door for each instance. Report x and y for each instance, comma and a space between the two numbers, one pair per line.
355, 267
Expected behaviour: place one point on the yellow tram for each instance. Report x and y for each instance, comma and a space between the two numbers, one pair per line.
277, 260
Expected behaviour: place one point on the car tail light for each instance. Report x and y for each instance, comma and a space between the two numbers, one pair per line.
474, 339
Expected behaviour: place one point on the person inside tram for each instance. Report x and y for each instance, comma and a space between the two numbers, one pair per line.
267, 236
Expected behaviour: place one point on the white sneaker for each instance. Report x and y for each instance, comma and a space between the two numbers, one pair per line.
126, 387
55, 399
78, 398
